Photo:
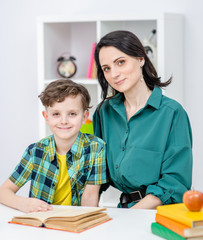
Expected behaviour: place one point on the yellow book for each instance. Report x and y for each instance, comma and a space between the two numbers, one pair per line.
180, 213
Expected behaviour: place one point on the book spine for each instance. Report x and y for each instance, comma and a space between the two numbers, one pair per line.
164, 232
171, 224
94, 70
90, 67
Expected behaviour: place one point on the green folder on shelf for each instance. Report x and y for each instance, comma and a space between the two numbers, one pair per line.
87, 127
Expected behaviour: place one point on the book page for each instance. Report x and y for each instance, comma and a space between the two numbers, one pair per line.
77, 226
68, 213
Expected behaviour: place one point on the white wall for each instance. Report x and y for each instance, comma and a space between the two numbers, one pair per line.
18, 67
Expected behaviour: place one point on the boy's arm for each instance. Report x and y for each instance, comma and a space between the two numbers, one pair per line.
90, 196
9, 198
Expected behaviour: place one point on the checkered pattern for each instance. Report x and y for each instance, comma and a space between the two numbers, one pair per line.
86, 164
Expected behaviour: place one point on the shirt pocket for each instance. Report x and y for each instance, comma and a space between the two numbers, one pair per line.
141, 167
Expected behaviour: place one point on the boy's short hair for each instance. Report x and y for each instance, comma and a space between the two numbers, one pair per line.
58, 90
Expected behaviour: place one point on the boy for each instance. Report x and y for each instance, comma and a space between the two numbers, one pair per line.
66, 168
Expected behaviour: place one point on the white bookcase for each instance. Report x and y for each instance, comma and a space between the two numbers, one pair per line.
76, 34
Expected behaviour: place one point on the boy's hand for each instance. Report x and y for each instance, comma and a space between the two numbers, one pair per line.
9, 198
34, 205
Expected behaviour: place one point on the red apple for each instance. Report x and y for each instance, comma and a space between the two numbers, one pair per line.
193, 200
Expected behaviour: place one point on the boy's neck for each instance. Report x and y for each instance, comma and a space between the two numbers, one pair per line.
63, 146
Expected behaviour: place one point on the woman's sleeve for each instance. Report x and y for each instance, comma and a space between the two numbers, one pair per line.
97, 124
176, 171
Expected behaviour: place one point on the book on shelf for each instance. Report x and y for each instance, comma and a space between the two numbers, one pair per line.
87, 127
68, 219
91, 72
179, 228
180, 213
166, 233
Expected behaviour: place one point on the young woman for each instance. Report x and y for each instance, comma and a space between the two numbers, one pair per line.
148, 135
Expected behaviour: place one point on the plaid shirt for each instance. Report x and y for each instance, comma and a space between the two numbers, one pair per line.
86, 163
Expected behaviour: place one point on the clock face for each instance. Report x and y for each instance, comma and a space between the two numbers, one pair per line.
67, 68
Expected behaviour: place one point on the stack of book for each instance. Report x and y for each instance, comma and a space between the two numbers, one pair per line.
176, 222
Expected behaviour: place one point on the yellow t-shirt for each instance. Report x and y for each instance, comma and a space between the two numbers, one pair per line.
62, 194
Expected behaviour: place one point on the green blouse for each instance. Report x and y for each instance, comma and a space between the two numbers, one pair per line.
152, 150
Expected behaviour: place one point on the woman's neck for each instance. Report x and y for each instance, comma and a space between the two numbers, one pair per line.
136, 100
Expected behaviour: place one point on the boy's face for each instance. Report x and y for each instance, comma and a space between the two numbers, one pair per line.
65, 118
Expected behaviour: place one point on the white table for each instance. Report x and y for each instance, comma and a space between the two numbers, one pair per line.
127, 224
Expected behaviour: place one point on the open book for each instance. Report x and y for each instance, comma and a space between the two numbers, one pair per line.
70, 219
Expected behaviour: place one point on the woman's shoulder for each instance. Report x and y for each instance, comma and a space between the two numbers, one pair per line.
171, 104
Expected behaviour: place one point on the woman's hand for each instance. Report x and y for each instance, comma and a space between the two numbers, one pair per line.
148, 202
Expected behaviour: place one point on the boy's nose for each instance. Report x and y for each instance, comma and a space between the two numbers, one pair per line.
64, 119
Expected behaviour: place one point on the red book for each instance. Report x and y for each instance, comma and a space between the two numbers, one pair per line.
91, 62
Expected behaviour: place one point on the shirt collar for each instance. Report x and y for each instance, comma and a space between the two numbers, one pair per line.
76, 149
51, 148
154, 99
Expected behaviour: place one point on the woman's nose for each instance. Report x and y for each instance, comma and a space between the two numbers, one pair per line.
114, 72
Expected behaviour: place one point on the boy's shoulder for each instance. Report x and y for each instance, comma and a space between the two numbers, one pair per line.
92, 139
43, 143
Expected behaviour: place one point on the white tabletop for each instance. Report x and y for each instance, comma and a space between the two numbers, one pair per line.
125, 224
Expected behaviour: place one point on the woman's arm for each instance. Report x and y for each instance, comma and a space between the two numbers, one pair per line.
148, 202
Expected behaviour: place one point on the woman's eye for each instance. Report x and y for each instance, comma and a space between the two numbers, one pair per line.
105, 69
121, 62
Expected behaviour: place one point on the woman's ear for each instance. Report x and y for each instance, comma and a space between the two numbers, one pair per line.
142, 61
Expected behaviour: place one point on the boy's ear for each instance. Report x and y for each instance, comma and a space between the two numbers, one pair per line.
86, 115
44, 113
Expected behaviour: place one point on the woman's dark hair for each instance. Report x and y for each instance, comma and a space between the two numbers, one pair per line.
128, 43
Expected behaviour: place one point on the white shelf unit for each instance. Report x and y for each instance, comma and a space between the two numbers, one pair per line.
76, 34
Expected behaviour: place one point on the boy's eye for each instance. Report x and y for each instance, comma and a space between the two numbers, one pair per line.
73, 114
55, 114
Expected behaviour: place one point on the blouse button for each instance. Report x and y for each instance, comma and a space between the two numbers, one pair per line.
123, 148
116, 166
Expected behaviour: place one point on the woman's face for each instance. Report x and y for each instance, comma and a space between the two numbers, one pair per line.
122, 72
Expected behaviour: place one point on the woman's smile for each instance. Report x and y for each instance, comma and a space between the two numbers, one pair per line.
119, 82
